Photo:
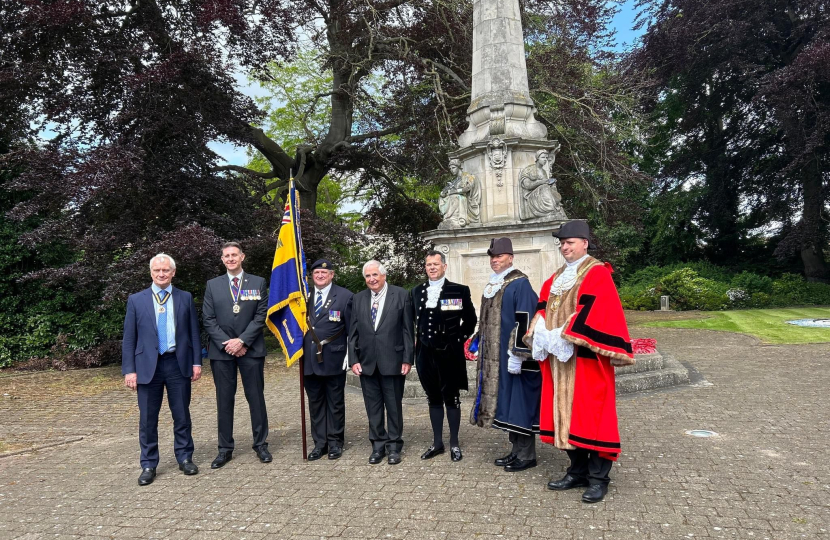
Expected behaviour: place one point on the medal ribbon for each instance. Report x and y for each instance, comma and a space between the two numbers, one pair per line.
235, 292
158, 297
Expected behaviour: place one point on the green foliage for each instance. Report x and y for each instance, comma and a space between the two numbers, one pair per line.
688, 290
708, 287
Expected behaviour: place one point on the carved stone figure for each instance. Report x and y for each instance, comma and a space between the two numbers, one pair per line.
460, 200
539, 196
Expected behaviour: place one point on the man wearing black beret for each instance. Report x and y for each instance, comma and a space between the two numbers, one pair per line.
326, 360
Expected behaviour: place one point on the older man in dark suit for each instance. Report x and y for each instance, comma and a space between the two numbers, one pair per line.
381, 353
234, 311
325, 348
161, 349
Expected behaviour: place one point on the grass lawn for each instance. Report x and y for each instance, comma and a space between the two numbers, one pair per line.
768, 325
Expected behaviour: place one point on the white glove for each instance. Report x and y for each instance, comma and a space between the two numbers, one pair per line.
514, 364
346, 362
547, 342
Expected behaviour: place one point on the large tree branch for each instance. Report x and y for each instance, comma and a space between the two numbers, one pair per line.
378, 133
281, 163
244, 170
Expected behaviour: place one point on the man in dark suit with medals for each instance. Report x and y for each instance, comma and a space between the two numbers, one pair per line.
161, 349
380, 353
234, 311
325, 348
444, 319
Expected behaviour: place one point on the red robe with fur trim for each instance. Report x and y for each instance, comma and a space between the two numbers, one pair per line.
599, 333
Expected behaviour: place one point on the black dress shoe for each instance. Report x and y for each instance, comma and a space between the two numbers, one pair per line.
567, 482
188, 467
221, 460
506, 460
432, 452
595, 493
335, 452
317, 453
455, 453
376, 457
264, 455
394, 458
148, 474
520, 465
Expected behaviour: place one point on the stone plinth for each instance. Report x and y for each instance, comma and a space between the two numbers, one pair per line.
536, 252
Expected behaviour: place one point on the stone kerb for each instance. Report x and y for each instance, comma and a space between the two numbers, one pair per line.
650, 372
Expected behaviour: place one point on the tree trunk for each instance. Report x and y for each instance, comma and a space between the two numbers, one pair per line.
813, 237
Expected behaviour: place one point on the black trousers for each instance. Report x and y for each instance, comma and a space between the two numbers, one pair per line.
327, 408
587, 464
383, 394
524, 446
252, 371
168, 375
435, 383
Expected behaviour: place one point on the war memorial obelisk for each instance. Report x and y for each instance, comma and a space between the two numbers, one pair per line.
502, 184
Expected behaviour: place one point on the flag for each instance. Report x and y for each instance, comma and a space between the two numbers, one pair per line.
287, 295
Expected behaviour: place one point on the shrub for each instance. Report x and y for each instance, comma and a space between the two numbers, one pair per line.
690, 291
752, 283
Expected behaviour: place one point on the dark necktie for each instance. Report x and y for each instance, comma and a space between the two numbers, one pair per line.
318, 304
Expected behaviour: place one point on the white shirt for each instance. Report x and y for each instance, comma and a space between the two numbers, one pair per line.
380, 298
231, 276
324, 291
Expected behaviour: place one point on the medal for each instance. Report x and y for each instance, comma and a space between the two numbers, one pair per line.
235, 297
162, 302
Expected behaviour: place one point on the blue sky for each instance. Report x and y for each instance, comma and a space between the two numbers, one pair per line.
623, 22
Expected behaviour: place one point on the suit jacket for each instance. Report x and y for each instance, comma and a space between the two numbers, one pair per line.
222, 324
339, 299
446, 329
139, 349
391, 345
453, 326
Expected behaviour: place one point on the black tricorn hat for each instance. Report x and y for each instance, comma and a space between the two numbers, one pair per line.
500, 246
575, 229
325, 264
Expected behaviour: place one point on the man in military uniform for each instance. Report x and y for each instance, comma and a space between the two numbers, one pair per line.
444, 319
325, 346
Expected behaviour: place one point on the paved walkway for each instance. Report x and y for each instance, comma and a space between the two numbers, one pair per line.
764, 476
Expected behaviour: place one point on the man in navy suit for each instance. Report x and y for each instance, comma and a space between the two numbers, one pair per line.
381, 342
326, 361
161, 348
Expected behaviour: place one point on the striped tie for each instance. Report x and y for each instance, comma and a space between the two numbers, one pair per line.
318, 304
162, 324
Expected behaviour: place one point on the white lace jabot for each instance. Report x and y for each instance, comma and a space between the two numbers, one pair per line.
567, 279
434, 292
496, 282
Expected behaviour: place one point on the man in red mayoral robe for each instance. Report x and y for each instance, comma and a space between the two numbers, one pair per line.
579, 334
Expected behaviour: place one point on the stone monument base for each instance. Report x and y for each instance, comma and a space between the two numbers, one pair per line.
536, 251
651, 372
